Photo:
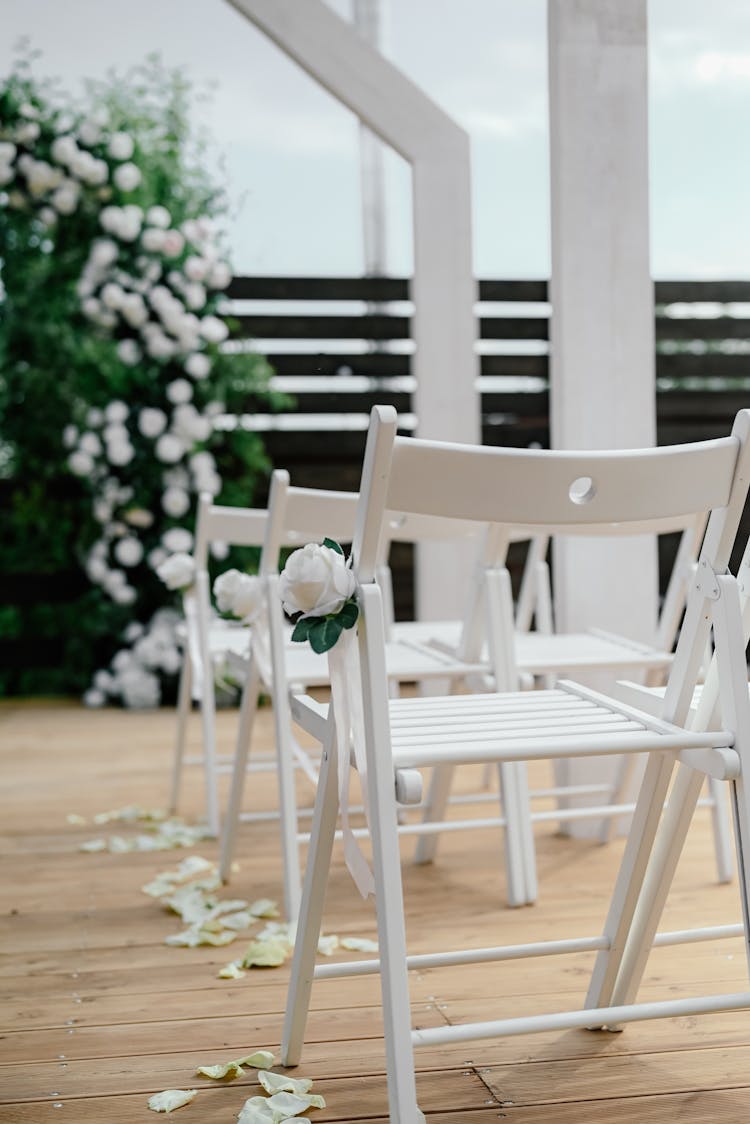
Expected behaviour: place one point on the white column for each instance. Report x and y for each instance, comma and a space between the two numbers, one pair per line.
602, 339
369, 24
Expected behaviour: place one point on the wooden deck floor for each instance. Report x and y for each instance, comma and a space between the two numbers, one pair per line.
98, 1013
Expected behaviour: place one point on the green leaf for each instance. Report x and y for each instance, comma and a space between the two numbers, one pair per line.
302, 629
324, 633
348, 614
333, 546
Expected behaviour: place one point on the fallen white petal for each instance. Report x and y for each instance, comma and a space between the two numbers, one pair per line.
261, 1059
328, 945
171, 1099
359, 944
264, 907
280, 1083
265, 954
191, 938
94, 845
292, 1105
232, 971
74, 818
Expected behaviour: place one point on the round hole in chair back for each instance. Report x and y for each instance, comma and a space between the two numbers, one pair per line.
582, 490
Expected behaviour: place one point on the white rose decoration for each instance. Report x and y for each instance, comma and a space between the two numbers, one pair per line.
248, 598
81, 463
213, 329
176, 502
127, 177
152, 421
169, 449
116, 411
179, 391
178, 540
225, 589
158, 216
128, 352
316, 581
177, 571
128, 551
197, 365
121, 146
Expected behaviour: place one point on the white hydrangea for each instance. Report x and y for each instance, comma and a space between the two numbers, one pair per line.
94, 698
65, 198
90, 443
169, 448
139, 688
177, 571
152, 421
178, 540
121, 146
120, 453
176, 502
127, 177
80, 463
179, 391
197, 365
128, 551
116, 411
128, 352
158, 216
213, 329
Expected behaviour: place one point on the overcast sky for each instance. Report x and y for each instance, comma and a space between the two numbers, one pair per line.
291, 152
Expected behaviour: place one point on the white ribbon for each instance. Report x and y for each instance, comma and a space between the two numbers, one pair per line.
346, 701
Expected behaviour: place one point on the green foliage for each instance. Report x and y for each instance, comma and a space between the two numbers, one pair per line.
66, 357
323, 632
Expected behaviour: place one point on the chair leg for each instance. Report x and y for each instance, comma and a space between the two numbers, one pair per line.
437, 800
248, 708
722, 834
514, 798
287, 806
208, 718
183, 710
311, 908
625, 767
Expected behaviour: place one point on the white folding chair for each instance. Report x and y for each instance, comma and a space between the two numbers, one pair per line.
206, 641
299, 514
552, 489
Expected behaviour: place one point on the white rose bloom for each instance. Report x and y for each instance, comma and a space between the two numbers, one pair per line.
115, 433
112, 296
97, 172
316, 581
90, 132
213, 329
179, 390
202, 462
219, 550
131, 222
123, 595
28, 133
220, 276
80, 463
248, 598
139, 689
128, 551
65, 198
197, 365
159, 297
94, 416
152, 240
134, 310
7, 174
90, 444
7, 152
159, 346
91, 308
103, 253
102, 511
195, 295
213, 409
158, 216
103, 680
177, 571
196, 268
94, 698
123, 661
171, 660
127, 177
225, 589
133, 632
110, 219
47, 215
42, 177
178, 540
169, 449
210, 484
97, 570
156, 557
152, 421
128, 352
70, 436
176, 502
174, 243
120, 454
116, 411
64, 149
121, 146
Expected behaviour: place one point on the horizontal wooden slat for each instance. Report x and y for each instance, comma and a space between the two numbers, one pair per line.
716, 365
702, 328
320, 288
366, 327
673, 292
326, 364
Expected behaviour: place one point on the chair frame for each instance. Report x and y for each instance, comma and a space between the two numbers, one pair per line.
708, 476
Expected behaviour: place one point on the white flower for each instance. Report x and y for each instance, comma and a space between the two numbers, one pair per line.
158, 216
103, 252
70, 436
121, 146
90, 443
94, 416
46, 214
156, 557
115, 433
64, 149
152, 239
42, 177
213, 329
81, 463
169, 449
128, 352
248, 598
103, 680
133, 310
219, 550
177, 571
174, 243
177, 539
220, 276
195, 295
28, 133
128, 551
316, 581
94, 698
65, 198
189, 425
197, 365
175, 502
138, 517
127, 177
123, 595
119, 453
7, 152
139, 689
159, 346
6, 174
132, 633
116, 411
225, 589
110, 219
112, 296
151, 421
123, 661
179, 390
131, 222
196, 268
90, 132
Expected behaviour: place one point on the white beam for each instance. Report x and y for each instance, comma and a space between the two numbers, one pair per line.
602, 339
443, 289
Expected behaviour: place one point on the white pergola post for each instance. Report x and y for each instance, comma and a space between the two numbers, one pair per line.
602, 339
443, 290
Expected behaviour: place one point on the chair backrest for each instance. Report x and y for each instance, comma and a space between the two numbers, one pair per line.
563, 492
236, 526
